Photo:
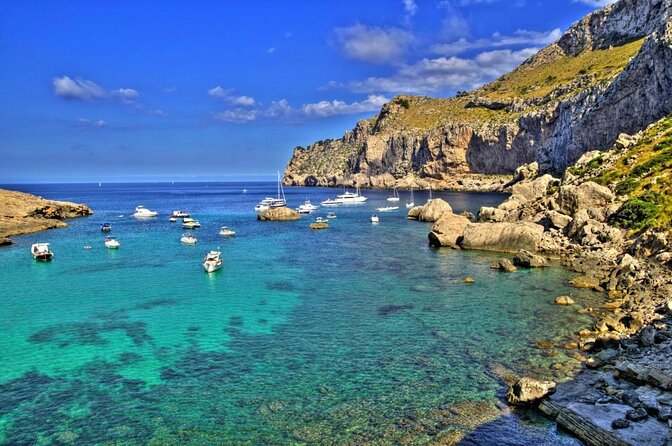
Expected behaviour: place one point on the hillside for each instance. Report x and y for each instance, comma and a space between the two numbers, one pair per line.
609, 73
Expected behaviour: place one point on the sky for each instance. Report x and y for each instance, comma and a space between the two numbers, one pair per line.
197, 90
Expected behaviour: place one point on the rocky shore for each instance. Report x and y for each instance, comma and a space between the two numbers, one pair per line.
22, 213
623, 395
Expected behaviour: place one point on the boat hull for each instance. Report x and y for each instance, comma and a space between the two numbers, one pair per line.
211, 267
43, 257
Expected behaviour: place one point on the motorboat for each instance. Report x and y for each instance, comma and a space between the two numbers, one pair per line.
410, 203
320, 220
172, 219
394, 197
307, 207
387, 208
188, 239
212, 261
88, 247
106, 227
181, 214
271, 202
331, 215
262, 207
143, 212
111, 243
346, 197
190, 223
374, 218
41, 252
225, 231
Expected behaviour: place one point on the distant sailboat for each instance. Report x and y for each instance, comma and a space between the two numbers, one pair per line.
395, 196
430, 194
100, 184
410, 203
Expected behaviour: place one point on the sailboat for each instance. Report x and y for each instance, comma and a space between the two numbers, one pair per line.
395, 196
270, 202
430, 194
410, 203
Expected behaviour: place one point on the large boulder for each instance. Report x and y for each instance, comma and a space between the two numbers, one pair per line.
448, 230
491, 214
506, 237
279, 214
434, 210
588, 195
528, 260
528, 390
532, 190
414, 213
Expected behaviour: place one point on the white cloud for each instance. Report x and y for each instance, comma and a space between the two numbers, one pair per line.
373, 44
85, 90
237, 115
78, 89
279, 109
443, 74
595, 3
521, 37
454, 26
324, 109
226, 95
86, 124
271, 50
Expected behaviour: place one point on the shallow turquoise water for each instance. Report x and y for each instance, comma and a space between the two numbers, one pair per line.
359, 334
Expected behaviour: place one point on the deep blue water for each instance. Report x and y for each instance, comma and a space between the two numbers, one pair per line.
359, 334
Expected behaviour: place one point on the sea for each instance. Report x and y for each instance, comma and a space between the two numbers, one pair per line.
360, 334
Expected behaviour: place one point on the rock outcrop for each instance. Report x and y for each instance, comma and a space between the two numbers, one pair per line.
505, 237
22, 213
430, 211
519, 118
528, 390
278, 214
448, 230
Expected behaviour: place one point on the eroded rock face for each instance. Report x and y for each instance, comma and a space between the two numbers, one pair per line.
448, 230
528, 390
279, 214
588, 195
505, 237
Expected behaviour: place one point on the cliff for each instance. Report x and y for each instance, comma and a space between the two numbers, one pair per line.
610, 73
22, 213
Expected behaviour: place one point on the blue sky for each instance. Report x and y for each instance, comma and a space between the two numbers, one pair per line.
147, 90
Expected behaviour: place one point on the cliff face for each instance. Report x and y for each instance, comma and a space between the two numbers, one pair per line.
609, 73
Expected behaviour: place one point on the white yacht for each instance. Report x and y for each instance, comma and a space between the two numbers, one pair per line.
188, 239
330, 203
270, 202
225, 231
395, 196
190, 223
212, 261
346, 197
307, 207
331, 215
41, 252
111, 243
181, 214
410, 203
320, 220
374, 218
143, 212
387, 208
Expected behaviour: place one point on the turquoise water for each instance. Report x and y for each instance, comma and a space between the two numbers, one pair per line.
359, 334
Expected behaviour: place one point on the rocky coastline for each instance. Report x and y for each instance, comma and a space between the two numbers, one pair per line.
623, 394
22, 213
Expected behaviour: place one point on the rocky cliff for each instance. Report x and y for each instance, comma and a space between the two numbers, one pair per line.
611, 72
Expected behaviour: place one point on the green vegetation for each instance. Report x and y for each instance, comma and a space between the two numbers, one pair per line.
636, 213
588, 167
403, 102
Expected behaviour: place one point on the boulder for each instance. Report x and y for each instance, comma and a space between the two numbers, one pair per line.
5, 241
563, 300
584, 282
505, 237
490, 214
528, 260
531, 190
279, 214
528, 390
526, 172
434, 210
558, 220
503, 265
448, 230
414, 213
587, 195
319, 225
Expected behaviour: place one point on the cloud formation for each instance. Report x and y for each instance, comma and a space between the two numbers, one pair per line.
84, 90
325, 109
88, 124
595, 3
225, 94
373, 44
520, 37
237, 115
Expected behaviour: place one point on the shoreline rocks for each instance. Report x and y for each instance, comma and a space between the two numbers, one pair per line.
448, 230
278, 214
503, 237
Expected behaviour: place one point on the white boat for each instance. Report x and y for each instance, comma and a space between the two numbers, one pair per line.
172, 219
394, 197
188, 239
212, 261
346, 197
307, 207
143, 212
387, 208
181, 214
105, 227
320, 220
111, 243
331, 215
410, 203
41, 252
270, 202
190, 223
374, 218
225, 231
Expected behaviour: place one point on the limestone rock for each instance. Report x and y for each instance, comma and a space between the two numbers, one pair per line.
490, 214
414, 213
528, 390
584, 282
528, 260
563, 300
587, 195
448, 230
503, 265
531, 190
558, 220
506, 237
434, 210
319, 225
279, 214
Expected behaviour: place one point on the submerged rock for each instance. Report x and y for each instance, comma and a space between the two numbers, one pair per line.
563, 300
528, 260
528, 390
279, 214
319, 225
503, 265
